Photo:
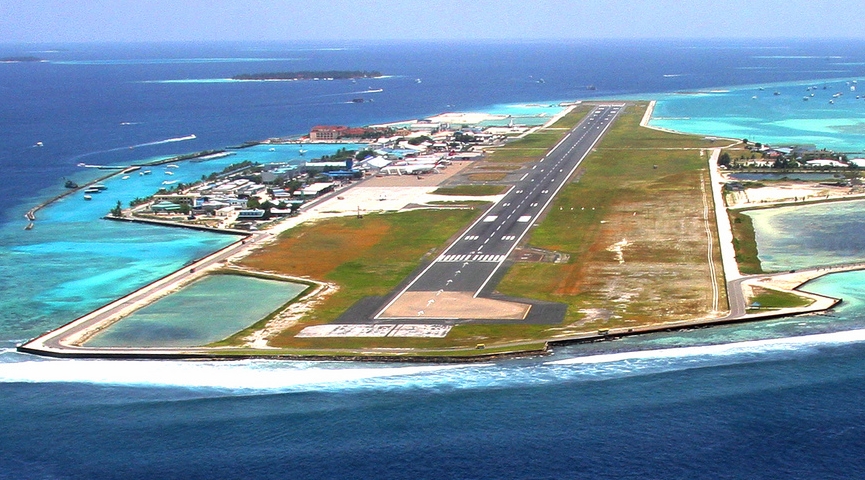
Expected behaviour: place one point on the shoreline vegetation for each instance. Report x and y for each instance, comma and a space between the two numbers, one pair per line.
622, 274
310, 75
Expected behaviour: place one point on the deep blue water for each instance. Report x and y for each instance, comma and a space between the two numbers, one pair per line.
784, 400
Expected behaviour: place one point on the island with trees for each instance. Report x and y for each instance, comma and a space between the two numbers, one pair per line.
20, 59
310, 75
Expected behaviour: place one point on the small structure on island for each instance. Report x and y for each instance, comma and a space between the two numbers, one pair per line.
251, 214
316, 189
321, 133
165, 207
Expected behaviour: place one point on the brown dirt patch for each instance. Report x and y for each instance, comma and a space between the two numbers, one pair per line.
454, 305
319, 249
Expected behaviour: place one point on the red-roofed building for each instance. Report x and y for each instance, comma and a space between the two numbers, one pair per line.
355, 132
326, 132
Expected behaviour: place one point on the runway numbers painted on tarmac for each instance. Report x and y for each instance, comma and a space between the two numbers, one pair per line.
375, 330
472, 258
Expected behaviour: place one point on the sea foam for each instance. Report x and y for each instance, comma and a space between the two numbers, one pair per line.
252, 375
749, 348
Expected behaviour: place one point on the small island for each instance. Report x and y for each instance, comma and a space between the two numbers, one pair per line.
20, 59
310, 75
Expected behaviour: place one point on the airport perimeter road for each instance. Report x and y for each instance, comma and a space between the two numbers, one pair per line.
470, 262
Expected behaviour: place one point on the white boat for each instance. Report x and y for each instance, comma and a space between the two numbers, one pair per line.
301, 151
88, 197
171, 165
146, 172
125, 177
169, 182
169, 173
38, 144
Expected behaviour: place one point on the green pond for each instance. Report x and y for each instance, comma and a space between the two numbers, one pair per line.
206, 311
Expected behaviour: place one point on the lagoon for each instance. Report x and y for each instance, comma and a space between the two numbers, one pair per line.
206, 311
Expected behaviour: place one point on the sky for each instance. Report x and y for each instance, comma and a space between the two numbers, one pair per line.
46, 21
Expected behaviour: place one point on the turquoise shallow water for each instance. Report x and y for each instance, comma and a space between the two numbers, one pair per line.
72, 262
209, 310
776, 399
805, 236
775, 119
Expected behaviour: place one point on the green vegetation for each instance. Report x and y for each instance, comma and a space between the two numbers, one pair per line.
117, 211
339, 155
745, 243
634, 186
471, 190
349, 252
630, 191
531, 147
767, 299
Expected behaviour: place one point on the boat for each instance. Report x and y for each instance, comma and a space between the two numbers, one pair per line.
99, 186
417, 80
92, 190
271, 149
125, 177
169, 182
146, 172
171, 165
777, 93
88, 197
70, 184
169, 173
357, 100
301, 151
39, 144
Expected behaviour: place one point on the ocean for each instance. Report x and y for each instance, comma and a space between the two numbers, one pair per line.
781, 398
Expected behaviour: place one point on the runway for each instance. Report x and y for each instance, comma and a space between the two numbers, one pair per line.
470, 263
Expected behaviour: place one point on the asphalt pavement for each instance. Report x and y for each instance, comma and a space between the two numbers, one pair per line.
472, 261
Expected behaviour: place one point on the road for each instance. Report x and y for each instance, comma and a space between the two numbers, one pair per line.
470, 263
